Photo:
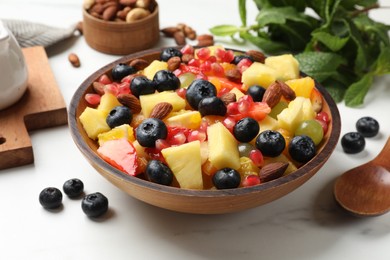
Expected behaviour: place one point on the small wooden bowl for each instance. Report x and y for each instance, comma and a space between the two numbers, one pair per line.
121, 38
196, 201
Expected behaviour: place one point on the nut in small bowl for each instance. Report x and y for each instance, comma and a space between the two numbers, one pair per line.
271, 183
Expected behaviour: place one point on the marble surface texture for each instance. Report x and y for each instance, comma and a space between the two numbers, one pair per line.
306, 224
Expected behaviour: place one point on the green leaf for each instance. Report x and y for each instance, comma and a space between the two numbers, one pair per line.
242, 11
354, 96
382, 65
325, 9
364, 23
319, 65
224, 30
336, 89
267, 45
351, 4
334, 43
279, 15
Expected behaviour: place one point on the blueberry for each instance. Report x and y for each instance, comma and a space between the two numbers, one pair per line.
150, 130
367, 126
121, 70
158, 172
238, 58
73, 187
212, 106
270, 143
165, 80
198, 90
141, 86
118, 116
170, 52
353, 142
256, 92
94, 204
50, 198
226, 178
246, 129
302, 148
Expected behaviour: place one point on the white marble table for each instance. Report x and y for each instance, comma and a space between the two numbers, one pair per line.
306, 224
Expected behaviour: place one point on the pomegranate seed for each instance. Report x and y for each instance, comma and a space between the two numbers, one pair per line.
324, 125
194, 63
111, 88
203, 126
223, 91
251, 180
201, 76
212, 59
181, 92
178, 139
187, 49
178, 72
205, 66
92, 99
323, 116
244, 106
228, 57
124, 88
127, 79
220, 53
203, 53
243, 65
229, 123
196, 135
104, 79
162, 144
232, 108
217, 70
257, 157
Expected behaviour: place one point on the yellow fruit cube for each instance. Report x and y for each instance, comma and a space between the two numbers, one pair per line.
259, 74
286, 66
94, 122
153, 67
302, 86
238, 93
107, 102
298, 110
119, 132
268, 123
186, 164
223, 151
188, 118
148, 102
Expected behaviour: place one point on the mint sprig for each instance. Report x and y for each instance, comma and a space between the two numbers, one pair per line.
341, 46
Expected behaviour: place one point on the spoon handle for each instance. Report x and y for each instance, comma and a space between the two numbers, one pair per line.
383, 158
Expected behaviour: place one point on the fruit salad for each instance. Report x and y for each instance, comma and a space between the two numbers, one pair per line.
206, 118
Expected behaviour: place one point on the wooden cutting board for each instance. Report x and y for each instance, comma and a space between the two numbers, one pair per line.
41, 106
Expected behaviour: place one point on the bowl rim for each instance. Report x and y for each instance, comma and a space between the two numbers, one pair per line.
315, 162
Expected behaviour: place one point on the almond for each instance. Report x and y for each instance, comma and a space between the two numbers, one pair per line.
287, 92
205, 40
130, 101
173, 63
272, 171
139, 64
189, 33
169, 31
161, 110
228, 98
98, 87
179, 37
74, 60
272, 94
233, 75
110, 12
256, 55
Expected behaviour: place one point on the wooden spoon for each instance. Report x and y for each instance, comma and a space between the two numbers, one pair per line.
365, 190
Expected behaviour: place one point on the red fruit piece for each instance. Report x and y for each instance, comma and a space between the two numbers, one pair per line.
323, 116
243, 64
121, 154
259, 110
257, 157
324, 125
197, 135
203, 53
104, 79
187, 49
92, 99
251, 180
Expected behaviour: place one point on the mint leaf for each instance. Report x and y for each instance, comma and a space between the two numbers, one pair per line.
279, 15
242, 11
382, 65
354, 96
334, 43
264, 44
336, 89
361, 58
364, 23
224, 30
319, 65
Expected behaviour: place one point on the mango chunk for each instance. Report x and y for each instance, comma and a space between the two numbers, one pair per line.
286, 66
94, 122
153, 67
148, 102
259, 74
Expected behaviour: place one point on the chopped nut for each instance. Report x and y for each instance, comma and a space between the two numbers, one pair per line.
139, 64
161, 110
179, 37
287, 92
233, 75
272, 94
169, 31
131, 102
74, 60
174, 63
187, 57
272, 171
256, 55
228, 98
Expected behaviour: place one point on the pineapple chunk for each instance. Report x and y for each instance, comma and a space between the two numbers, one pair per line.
302, 87
286, 66
186, 164
122, 131
148, 102
223, 151
94, 122
107, 102
238, 93
141, 153
188, 119
281, 158
259, 74
298, 110
268, 123
153, 67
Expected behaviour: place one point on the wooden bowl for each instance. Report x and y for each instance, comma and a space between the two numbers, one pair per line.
121, 38
196, 201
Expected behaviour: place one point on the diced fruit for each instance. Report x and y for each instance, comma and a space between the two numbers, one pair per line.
223, 151
298, 110
186, 79
94, 122
247, 167
121, 154
148, 102
302, 86
107, 102
123, 131
185, 162
281, 158
239, 94
259, 74
153, 67
188, 119
316, 100
286, 66
140, 150
268, 123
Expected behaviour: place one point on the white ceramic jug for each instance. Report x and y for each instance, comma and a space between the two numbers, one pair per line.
13, 69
